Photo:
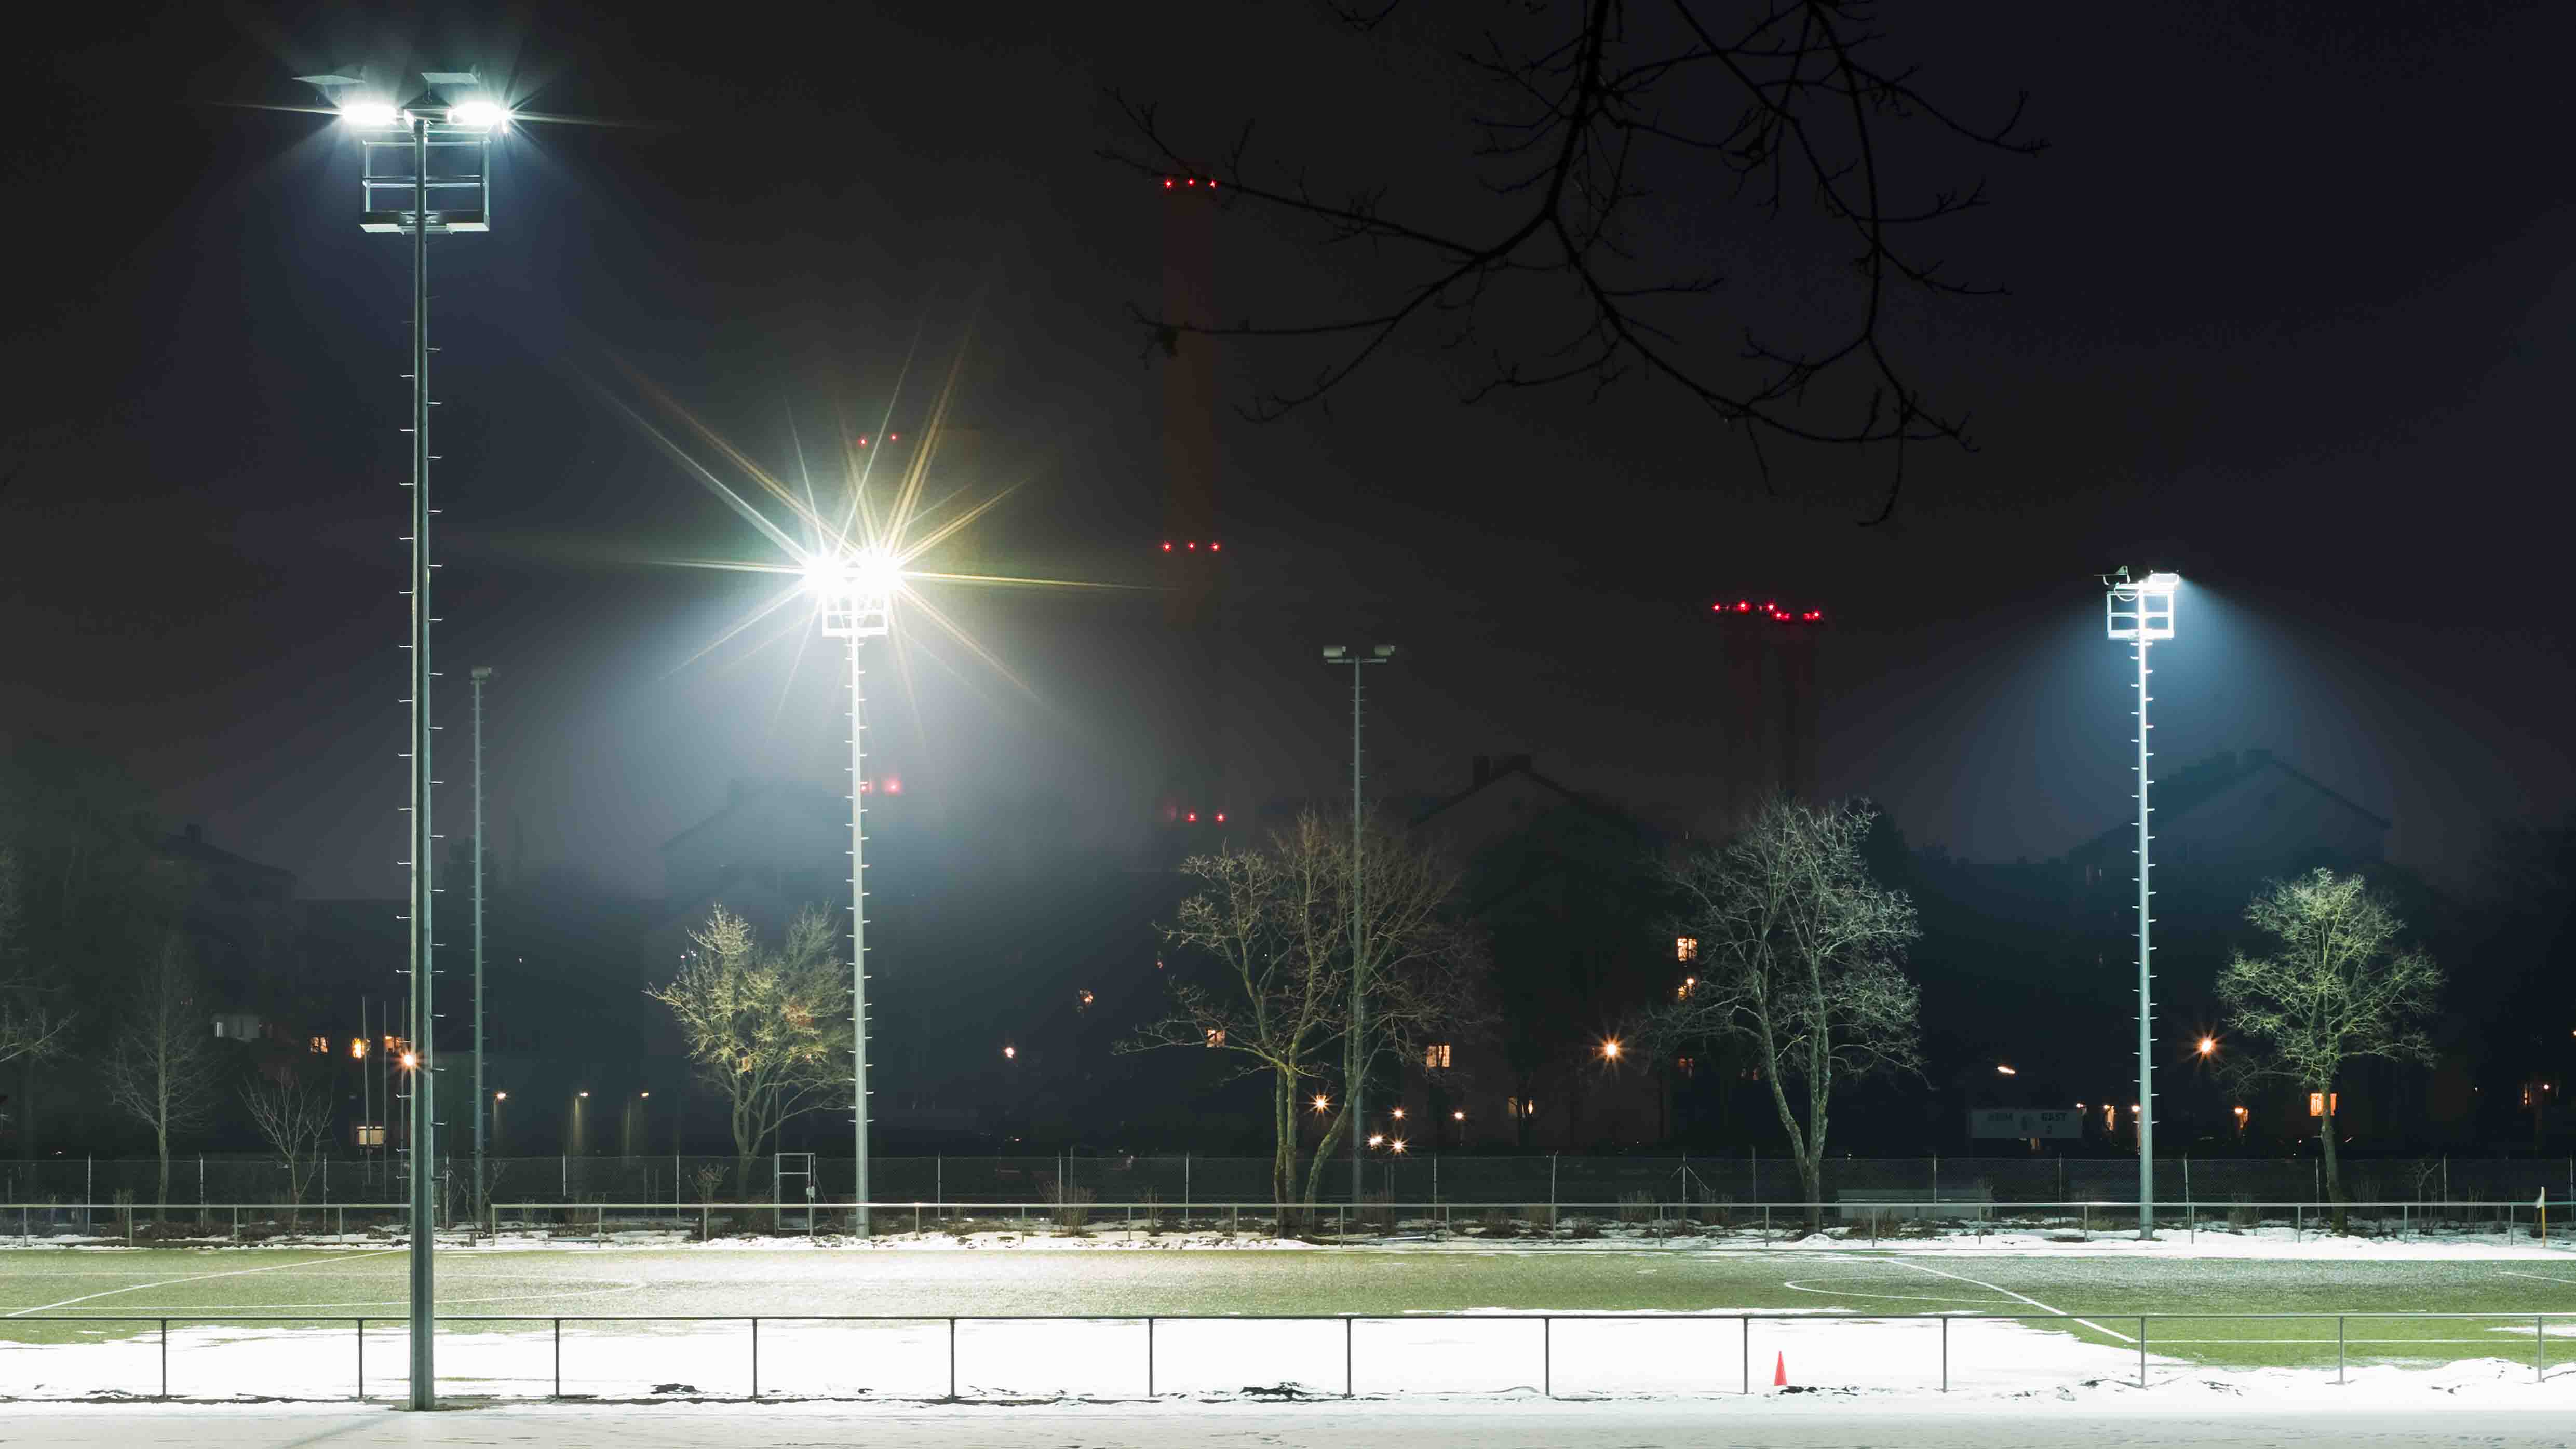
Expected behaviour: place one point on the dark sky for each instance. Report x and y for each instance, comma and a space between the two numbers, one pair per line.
2289, 312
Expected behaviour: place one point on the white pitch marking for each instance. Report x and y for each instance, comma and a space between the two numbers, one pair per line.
2023, 1297
2537, 1277
199, 1278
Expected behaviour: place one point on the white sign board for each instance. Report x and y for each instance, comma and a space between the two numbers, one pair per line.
2024, 1122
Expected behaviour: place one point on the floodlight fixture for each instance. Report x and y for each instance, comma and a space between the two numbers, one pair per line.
856, 589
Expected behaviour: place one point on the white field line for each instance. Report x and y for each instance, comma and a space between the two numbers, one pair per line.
2543, 1277
2008, 1293
197, 1278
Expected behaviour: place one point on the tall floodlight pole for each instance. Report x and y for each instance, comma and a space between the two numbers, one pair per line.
1355, 1050
482, 675
2141, 612
856, 589
455, 122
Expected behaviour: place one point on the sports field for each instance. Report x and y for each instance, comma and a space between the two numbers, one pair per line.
2079, 1311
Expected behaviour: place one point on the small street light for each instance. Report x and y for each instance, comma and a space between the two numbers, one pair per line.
1610, 1050
1322, 1103
2004, 1071
2208, 1045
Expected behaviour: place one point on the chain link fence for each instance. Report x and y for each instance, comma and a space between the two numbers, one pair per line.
1187, 1178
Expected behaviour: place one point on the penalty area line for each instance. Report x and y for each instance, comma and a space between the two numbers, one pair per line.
2022, 1297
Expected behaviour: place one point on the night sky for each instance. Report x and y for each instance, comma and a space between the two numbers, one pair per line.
2289, 312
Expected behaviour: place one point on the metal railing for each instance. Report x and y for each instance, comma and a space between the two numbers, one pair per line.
1350, 1325
1873, 1216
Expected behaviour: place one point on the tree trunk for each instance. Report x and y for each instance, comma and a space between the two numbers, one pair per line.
1283, 1148
1811, 1180
161, 1202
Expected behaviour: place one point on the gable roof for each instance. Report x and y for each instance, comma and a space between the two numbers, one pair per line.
2211, 778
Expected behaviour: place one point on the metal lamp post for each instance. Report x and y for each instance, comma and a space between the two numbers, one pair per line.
482, 674
452, 123
856, 590
2142, 612
1355, 1056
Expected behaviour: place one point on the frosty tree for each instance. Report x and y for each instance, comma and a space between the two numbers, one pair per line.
2338, 988
294, 1117
1271, 931
768, 1030
1801, 957
161, 1070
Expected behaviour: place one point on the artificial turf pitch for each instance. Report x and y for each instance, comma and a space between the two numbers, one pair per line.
120, 1291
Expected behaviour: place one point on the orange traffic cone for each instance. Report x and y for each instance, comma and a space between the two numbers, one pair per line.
1780, 1371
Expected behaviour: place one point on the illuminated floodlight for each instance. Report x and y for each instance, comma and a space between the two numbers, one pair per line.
371, 115
856, 589
2142, 609
479, 115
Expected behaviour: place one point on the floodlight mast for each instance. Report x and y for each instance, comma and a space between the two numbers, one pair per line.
459, 126
1355, 1055
2142, 612
857, 596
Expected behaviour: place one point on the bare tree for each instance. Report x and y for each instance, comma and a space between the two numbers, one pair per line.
1622, 146
2337, 989
294, 1118
770, 1031
29, 1028
1270, 925
1802, 957
161, 1071
1274, 925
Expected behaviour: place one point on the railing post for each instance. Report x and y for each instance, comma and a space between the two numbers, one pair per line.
1149, 1355
2539, 1364
755, 1356
362, 1360
1348, 1379
2338, 1350
558, 1358
1945, 1354
1547, 1357
165, 1358
2142, 1350
1746, 1324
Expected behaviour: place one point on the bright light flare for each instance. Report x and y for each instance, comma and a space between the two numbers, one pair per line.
2208, 1044
410, 1060
1610, 1050
1323, 1103
373, 115
866, 573
480, 115
2004, 1071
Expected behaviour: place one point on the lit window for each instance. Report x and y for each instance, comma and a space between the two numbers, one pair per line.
358, 1048
1686, 948
321, 1046
1520, 1107
2320, 1103
371, 1134
1436, 1056
1216, 1036
1686, 1065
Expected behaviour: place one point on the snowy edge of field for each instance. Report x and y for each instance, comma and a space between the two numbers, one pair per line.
1826, 1358
2260, 1243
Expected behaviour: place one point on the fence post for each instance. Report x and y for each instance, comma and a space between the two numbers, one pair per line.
1547, 1357
362, 1360
1746, 1324
952, 1357
2338, 1350
1551, 1194
1149, 1355
2142, 1350
236, 1222
1945, 1354
1348, 1381
165, 1358
2539, 1373
755, 1356
558, 1358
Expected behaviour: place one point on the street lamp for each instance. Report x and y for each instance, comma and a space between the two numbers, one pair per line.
482, 673
1356, 1055
2142, 612
855, 587
453, 121
1610, 1050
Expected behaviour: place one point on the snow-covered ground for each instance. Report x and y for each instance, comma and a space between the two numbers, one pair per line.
1498, 1354
2451, 1411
